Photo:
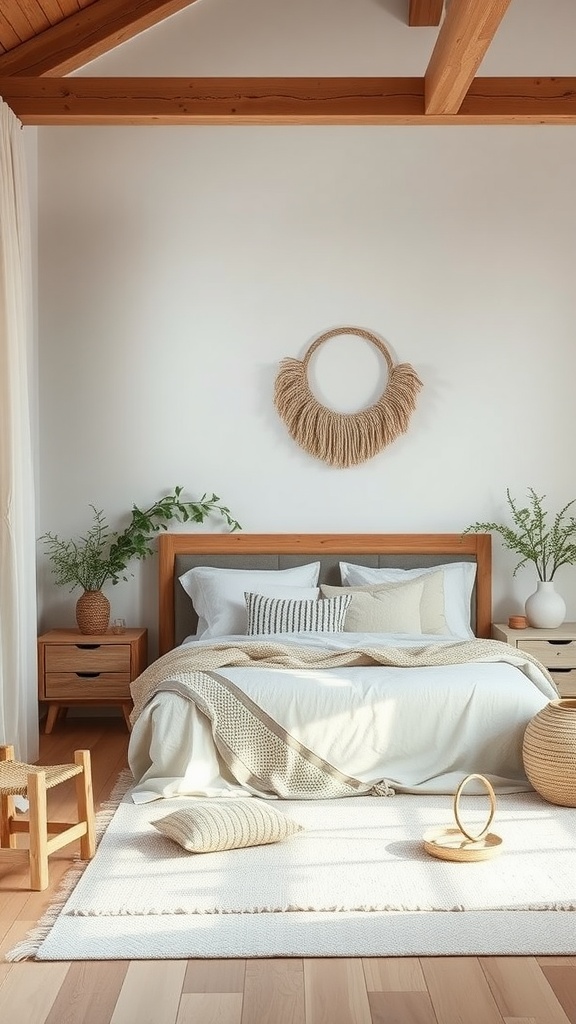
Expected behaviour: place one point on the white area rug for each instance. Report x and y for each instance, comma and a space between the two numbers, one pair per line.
356, 882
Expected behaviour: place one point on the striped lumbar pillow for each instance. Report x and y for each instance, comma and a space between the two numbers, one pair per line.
281, 615
213, 825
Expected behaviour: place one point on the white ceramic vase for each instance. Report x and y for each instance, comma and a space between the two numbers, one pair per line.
545, 608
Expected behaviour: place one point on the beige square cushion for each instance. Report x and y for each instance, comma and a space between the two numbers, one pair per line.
208, 826
457, 586
416, 606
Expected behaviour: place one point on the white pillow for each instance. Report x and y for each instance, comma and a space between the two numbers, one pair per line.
273, 615
388, 608
458, 580
218, 594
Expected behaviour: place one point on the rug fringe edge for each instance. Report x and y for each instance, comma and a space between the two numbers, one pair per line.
27, 948
301, 908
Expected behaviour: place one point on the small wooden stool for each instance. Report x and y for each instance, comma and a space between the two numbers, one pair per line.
32, 781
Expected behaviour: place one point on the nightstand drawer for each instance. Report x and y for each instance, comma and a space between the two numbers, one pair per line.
88, 657
552, 655
87, 687
76, 669
565, 681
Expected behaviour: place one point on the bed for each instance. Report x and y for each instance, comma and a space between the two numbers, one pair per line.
312, 666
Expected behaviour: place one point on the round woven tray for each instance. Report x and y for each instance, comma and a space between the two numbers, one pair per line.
549, 752
461, 844
451, 844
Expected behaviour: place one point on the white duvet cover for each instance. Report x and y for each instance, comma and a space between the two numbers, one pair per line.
421, 729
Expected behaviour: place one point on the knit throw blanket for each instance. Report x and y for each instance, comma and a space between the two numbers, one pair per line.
258, 751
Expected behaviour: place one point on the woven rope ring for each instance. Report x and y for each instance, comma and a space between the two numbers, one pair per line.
475, 837
345, 439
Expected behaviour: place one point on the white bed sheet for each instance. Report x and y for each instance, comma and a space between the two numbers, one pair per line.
421, 729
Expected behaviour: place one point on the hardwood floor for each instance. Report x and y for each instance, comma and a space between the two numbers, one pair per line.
430, 990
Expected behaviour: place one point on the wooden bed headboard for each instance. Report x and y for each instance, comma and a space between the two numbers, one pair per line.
178, 552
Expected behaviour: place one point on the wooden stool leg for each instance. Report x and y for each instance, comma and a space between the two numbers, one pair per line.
38, 831
7, 808
7, 812
85, 799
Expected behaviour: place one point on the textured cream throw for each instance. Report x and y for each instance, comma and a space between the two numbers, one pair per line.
182, 662
258, 751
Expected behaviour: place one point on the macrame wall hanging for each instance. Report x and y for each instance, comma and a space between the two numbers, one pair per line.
345, 439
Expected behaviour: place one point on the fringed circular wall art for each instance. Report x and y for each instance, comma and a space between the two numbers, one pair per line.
345, 439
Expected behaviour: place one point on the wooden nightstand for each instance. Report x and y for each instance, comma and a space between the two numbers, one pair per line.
79, 669
555, 648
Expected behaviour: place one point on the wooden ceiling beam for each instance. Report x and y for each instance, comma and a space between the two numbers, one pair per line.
85, 35
466, 33
286, 101
211, 100
425, 12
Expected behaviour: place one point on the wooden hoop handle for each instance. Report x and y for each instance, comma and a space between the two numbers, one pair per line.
491, 794
360, 333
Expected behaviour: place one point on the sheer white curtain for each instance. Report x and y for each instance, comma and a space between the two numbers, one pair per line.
18, 687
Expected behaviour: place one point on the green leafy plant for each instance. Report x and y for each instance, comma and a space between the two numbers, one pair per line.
102, 555
533, 538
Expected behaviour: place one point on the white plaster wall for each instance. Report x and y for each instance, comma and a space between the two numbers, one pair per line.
178, 266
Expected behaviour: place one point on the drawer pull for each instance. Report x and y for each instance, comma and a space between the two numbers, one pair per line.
87, 647
557, 671
87, 675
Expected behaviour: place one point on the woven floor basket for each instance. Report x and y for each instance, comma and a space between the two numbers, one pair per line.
549, 752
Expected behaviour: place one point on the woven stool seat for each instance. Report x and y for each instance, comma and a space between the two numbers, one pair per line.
14, 775
44, 836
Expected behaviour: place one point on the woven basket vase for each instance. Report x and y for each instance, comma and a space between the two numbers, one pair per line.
93, 612
549, 752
